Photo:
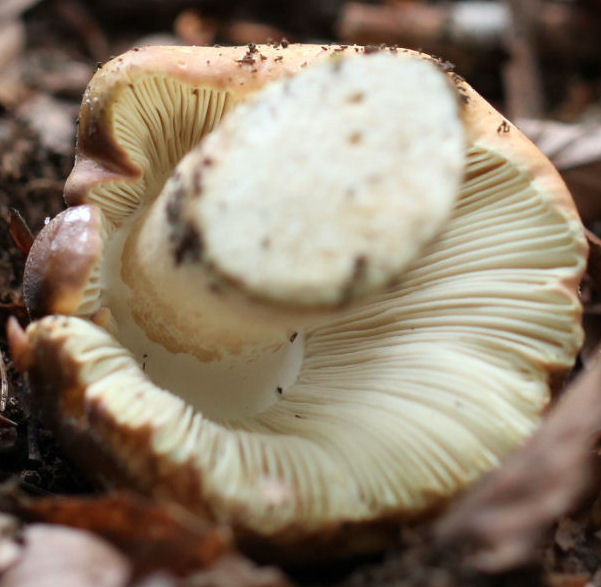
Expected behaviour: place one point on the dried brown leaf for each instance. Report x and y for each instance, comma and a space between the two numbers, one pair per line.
569, 533
575, 149
567, 145
502, 520
166, 546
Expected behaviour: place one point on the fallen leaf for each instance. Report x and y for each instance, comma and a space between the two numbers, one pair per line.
567, 145
12, 41
242, 32
575, 149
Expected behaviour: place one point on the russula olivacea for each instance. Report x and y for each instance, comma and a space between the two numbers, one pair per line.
332, 311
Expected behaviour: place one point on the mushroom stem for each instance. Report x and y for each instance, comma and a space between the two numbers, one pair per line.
178, 303
184, 331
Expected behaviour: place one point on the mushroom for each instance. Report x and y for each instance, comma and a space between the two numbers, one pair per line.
340, 308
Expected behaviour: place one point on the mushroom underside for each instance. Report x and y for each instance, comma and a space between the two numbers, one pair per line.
399, 403
380, 411
144, 114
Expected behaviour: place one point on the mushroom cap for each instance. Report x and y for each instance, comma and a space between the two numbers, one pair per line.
480, 322
120, 154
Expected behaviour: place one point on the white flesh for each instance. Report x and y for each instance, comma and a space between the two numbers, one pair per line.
325, 187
